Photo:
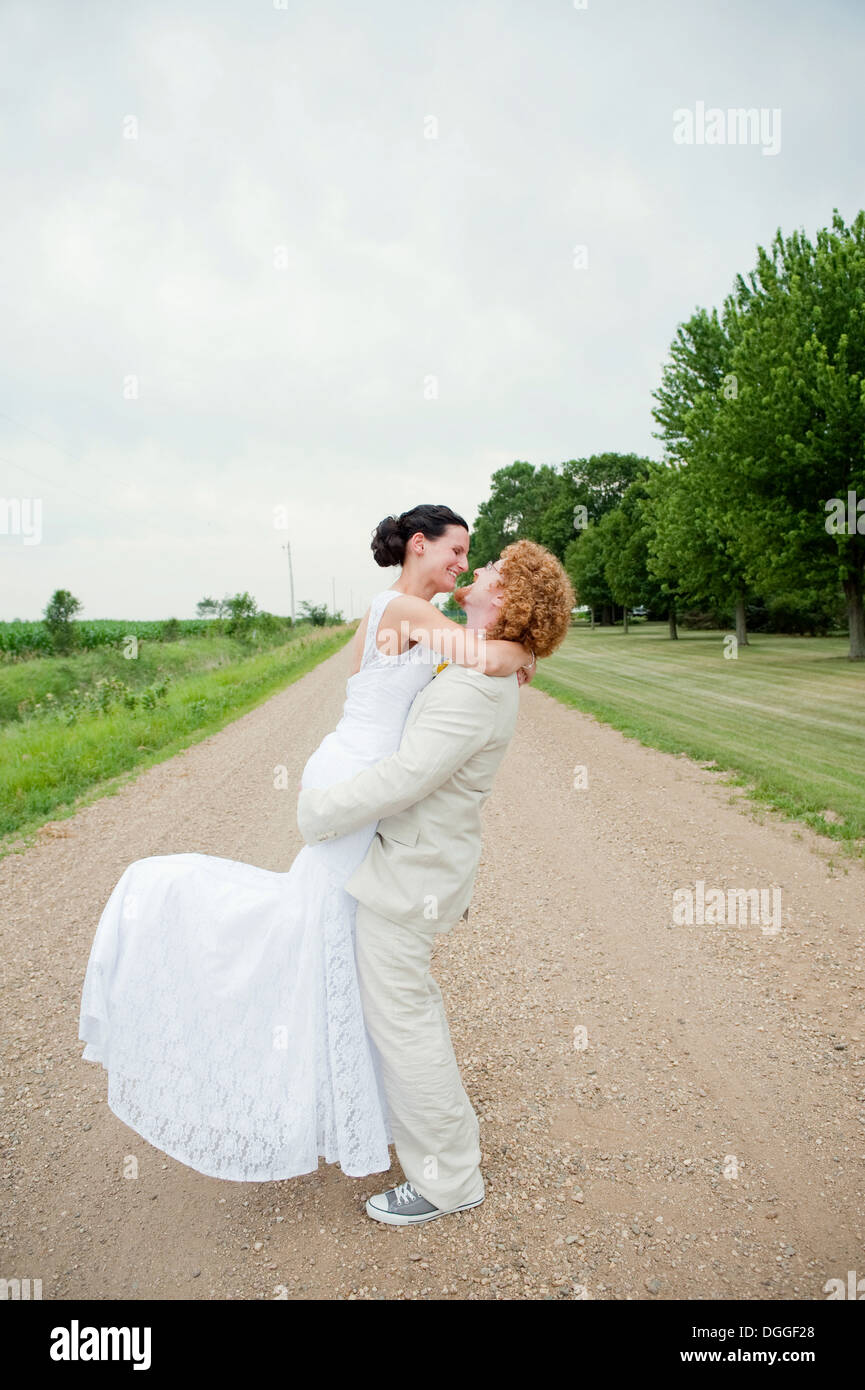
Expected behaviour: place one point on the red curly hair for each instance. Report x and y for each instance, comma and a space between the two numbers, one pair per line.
538, 598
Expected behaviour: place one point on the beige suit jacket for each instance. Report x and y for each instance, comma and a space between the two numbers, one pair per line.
421, 866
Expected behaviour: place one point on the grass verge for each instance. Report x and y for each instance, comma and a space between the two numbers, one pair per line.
48, 769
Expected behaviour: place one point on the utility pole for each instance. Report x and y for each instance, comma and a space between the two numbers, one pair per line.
287, 549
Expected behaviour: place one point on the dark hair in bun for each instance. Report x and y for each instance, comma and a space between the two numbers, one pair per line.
390, 536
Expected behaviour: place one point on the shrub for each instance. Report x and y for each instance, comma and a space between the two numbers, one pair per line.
59, 612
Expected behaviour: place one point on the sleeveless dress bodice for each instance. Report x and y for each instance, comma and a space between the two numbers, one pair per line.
377, 701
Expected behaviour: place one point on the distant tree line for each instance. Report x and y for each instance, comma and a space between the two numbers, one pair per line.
59, 631
756, 515
239, 608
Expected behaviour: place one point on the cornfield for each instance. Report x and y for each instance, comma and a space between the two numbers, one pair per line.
33, 638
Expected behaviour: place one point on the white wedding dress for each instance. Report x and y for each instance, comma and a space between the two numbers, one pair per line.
222, 999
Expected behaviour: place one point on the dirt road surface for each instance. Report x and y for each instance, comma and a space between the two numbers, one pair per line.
704, 1137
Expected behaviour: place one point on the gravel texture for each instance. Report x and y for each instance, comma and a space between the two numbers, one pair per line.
707, 1142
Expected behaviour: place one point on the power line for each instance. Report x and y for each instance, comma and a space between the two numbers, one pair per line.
65, 452
90, 502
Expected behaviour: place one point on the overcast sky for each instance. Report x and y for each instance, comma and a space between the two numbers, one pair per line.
323, 257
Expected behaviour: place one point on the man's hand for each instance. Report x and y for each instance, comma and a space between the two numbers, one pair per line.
446, 733
525, 677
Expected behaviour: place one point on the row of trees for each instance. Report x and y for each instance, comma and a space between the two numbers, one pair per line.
759, 504
59, 632
238, 610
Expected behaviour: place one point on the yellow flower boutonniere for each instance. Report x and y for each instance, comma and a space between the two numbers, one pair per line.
441, 666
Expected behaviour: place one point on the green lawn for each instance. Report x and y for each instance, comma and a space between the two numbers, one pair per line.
49, 768
786, 717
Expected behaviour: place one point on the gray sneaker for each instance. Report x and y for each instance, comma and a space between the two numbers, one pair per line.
404, 1206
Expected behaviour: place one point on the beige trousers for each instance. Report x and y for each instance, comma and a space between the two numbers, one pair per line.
435, 1129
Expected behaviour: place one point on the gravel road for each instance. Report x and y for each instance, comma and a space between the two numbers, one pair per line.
707, 1141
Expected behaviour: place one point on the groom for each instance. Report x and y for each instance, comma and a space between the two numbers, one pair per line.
418, 875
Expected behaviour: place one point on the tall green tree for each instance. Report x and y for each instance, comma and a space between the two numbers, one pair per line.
626, 533
587, 489
698, 517
554, 506
551, 505
585, 559
698, 367
600, 481
794, 436
519, 495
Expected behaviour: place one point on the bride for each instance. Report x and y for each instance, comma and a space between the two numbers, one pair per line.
221, 998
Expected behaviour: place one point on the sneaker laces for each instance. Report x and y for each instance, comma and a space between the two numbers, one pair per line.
406, 1193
